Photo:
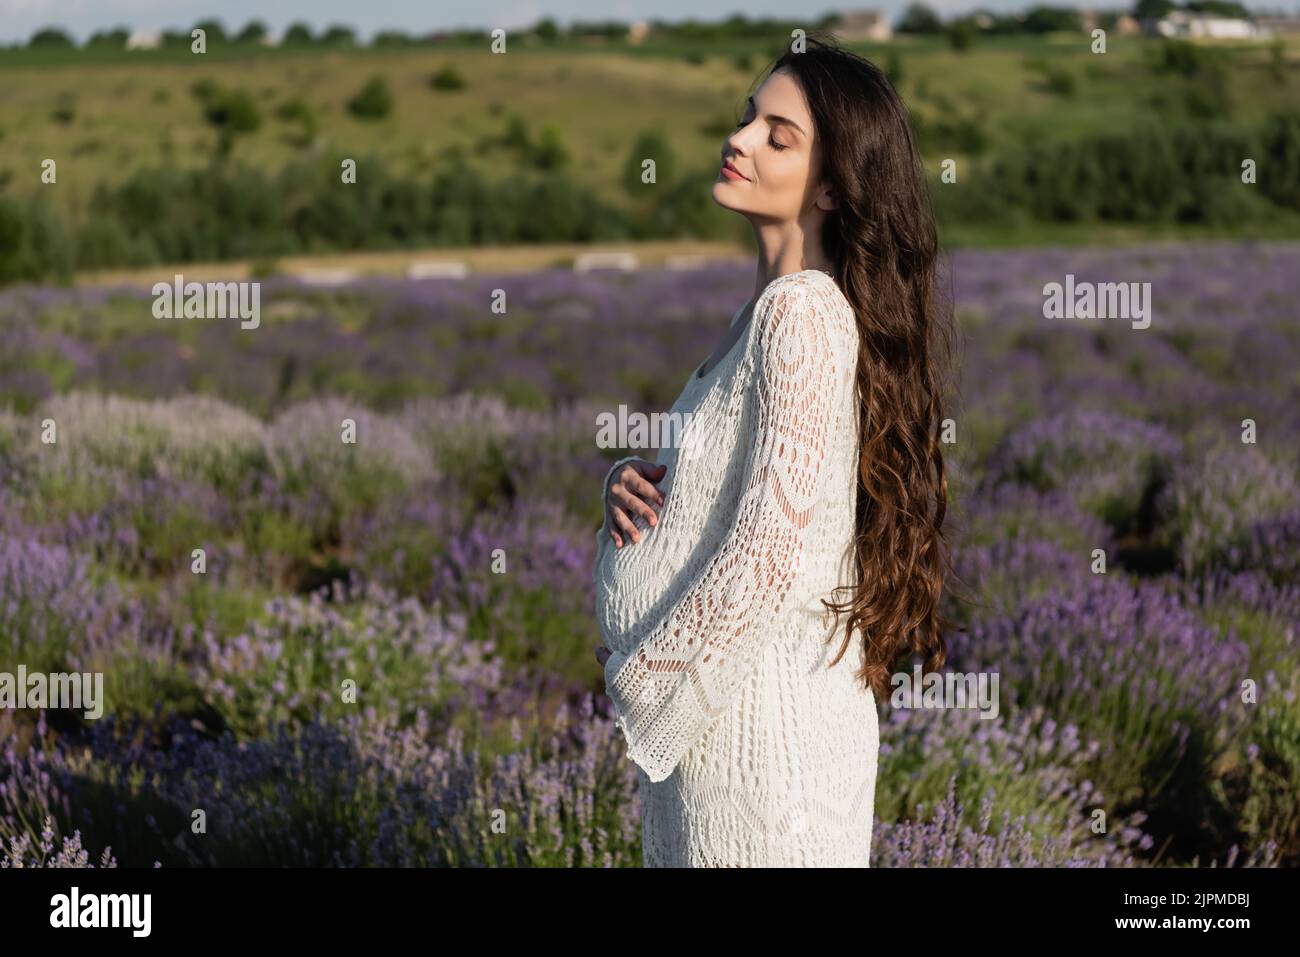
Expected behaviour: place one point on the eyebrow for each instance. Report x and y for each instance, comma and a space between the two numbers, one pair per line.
777, 119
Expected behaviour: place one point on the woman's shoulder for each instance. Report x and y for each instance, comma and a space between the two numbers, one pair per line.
806, 335
814, 294
811, 286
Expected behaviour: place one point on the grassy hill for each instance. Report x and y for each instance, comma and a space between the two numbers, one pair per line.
105, 114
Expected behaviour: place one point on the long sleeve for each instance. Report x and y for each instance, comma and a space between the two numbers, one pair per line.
685, 668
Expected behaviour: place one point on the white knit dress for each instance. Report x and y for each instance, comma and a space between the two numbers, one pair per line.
750, 750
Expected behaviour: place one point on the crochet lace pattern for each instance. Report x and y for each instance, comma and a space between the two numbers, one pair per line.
751, 750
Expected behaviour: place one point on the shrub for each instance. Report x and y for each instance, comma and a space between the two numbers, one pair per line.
34, 245
447, 78
1109, 464
232, 112
65, 110
1217, 501
1061, 82
297, 111
51, 38
961, 35
374, 101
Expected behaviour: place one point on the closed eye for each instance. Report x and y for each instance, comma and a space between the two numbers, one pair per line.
772, 142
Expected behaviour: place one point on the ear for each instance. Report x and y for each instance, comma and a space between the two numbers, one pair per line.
826, 201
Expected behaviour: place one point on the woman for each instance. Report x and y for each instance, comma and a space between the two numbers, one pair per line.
811, 464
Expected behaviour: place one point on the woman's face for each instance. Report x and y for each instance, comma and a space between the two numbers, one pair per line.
773, 148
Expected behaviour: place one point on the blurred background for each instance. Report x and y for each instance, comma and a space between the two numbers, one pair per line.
199, 533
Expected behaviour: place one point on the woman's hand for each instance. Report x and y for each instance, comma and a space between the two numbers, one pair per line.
632, 492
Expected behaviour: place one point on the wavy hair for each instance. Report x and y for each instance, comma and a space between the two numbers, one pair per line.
884, 245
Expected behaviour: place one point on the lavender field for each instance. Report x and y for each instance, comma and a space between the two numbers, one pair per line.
1150, 714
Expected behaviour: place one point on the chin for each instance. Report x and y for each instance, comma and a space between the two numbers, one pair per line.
720, 195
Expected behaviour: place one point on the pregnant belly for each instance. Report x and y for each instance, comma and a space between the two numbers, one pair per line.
629, 580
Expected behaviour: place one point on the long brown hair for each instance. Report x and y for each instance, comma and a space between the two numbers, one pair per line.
884, 244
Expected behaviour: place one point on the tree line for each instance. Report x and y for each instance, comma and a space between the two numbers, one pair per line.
229, 210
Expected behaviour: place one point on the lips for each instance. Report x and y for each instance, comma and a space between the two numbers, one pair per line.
729, 167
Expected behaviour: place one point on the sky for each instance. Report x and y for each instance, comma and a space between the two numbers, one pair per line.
80, 18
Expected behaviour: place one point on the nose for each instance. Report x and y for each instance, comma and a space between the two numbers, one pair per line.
734, 140
731, 146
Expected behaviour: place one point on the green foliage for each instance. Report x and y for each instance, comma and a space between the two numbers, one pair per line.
918, 18
961, 35
1185, 58
264, 268
962, 134
1280, 159
392, 39
1167, 172
446, 78
1277, 59
114, 39
298, 34
894, 68
516, 135
234, 211
1157, 173
339, 36
33, 244
213, 31
549, 152
718, 127
297, 111
1049, 19
1270, 811
1062, 82
254, 32
232, 112
104, 242
65, 109
652, 145
374, 101
1153, 9
1208, 98
204, 89
1221, 8
322, 648
50, 38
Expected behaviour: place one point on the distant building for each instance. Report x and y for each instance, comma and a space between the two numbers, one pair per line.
1127, 26
144, 40
1277, 25
637, 32
862, 25
1185, 25
1123, 25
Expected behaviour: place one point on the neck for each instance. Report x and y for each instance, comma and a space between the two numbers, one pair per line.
787, 248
